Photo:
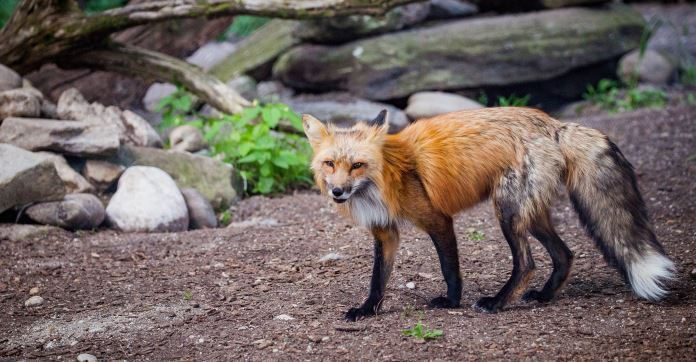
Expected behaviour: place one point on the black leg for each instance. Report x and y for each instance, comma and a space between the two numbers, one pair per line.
386, 244
561, 257
445, 242
523, 266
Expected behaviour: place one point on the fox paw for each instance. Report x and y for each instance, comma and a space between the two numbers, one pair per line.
356, 314
534, 294
487, 305
443, 302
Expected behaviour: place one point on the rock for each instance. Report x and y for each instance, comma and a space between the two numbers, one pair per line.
19, 103
34, 301
74, 182
217, 181
330, 257
26, 177
258, 50
86, 357
155, 93
244, 85
526, 5
49, 109
131, 128
693, 273
9, 79
34, 291
102, 174
654, 68
201, 213
68, 137
446, 9
430, 104
211, 54
345, 110
147, 200
284, 317
273, 91
74, 212
411, 285
187, 139
345, 28
469, 53
24, 232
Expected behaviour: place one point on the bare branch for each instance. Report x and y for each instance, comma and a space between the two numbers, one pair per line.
147, 64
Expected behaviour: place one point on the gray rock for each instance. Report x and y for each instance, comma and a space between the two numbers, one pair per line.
155, 93
653, 68
244, 85
74, 212
201, 213
132, 129
345, 110
49, 109
19, 103
9, 79
24, 232
86, 357
217, 181
68, 137
430, 104
526, 5
187, 139
74, 182
273, 91
102, 174
34, 301
26, 177
446, 9
345, 28
147, 200
507, 50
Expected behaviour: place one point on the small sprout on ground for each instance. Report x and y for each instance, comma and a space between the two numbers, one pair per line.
513, 101
690, 99
420, 331
474, 235
225, 218
188, 295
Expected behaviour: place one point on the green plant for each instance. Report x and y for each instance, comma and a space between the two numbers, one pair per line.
6, 10
96, 6
475, 235
688, 75
482, 98
225, 218
610, 95
513, 101
419, 331
268, 160
244, 25
188, 295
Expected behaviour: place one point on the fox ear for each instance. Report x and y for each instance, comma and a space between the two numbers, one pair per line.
380, 121
314, 129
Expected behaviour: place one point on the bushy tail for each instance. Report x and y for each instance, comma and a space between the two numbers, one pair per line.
603, 190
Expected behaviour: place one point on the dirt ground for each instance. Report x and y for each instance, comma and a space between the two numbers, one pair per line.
218, 294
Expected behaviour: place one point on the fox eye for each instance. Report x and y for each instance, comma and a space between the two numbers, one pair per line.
357, 165
329, 163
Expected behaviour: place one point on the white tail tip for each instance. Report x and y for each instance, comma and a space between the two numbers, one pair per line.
648, 275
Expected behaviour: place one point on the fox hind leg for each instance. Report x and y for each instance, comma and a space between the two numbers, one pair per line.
561, 257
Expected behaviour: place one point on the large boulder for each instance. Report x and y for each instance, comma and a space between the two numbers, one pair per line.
74, 212
68, 137
345, 110
132, 129
201, 213
9, 79
470, 53
147, 200
652, 67
217, 181
26, 177
526, 5
346, 28
74, 182
430, 104
19, 103
446, 9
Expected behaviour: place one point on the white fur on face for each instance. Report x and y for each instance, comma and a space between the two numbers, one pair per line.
367, 208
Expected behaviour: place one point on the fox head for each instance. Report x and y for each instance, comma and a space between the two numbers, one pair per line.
346, 160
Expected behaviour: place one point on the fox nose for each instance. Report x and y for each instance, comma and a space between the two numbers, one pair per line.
337, 191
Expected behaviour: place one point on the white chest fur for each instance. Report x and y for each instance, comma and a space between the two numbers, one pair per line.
367, 208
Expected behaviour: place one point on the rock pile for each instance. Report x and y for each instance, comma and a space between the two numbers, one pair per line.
61, 164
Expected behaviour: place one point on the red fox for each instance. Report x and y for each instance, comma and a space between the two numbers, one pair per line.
518, 157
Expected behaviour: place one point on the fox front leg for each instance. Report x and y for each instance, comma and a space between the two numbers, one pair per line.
386, 244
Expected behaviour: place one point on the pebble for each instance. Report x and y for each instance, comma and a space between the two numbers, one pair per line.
284, 317
262, 343
411, 285
86, 357
34, 301
693, 273
34, 291
330, 257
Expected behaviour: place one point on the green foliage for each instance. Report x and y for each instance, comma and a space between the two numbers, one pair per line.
688, 75
6, 10
475, 235
225, 218
243, 25
513, 101
95, 6
610, 96
188, 295
419, 331
269, 160
483, 99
